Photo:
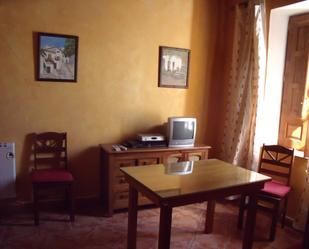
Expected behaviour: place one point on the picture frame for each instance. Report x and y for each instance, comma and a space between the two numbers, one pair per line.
57, 57
173, 67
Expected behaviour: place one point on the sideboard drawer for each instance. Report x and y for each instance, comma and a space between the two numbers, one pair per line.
121, 200
148, 161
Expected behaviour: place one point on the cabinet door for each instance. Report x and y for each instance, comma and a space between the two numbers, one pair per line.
195, 155
173, 157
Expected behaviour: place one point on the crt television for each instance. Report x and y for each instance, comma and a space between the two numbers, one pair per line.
181, 131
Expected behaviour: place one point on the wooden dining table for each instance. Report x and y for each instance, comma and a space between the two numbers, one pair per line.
184, 183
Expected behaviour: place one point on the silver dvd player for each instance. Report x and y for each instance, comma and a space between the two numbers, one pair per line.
150, 137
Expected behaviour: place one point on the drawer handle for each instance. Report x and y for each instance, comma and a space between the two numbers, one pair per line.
122, 180
123, 196
124, 164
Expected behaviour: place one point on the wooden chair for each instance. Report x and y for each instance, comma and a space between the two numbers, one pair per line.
51, 168
275, 161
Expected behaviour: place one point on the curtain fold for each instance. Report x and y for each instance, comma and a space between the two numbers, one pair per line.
237, 145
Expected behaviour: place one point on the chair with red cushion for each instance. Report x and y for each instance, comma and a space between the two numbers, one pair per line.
51, 168
275, 161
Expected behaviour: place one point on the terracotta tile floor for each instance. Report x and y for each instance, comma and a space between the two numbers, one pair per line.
91, 231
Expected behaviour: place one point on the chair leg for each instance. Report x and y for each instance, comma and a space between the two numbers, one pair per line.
285, 204
274, 222
36, 205
242, 207
67, 198
71, 203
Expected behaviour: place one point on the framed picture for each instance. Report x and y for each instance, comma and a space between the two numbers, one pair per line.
57, 57
173, 67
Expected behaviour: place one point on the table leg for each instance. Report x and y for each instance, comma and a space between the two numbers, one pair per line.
165, 227
250, 223
210, 212
132, 218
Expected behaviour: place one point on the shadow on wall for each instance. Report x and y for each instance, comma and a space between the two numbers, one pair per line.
23, 182
205, 69
85, 167
35, 53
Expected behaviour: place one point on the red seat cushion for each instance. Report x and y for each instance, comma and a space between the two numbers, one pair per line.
51, 175
276, 188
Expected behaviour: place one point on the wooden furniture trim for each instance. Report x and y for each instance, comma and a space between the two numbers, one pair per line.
108, 148
111, 193
196, 197
277, 155
166, 204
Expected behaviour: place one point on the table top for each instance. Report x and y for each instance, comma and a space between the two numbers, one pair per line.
185, 178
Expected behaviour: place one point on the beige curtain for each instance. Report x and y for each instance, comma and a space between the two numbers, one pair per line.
243, 88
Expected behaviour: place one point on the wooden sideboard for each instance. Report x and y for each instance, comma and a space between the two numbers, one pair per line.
114, 188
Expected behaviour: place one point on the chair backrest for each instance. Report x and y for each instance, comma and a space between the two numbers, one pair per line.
276, 161
50, 150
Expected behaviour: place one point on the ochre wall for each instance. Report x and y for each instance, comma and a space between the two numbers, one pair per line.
116, 95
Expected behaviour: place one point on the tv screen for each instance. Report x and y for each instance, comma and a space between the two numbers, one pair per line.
183, 130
